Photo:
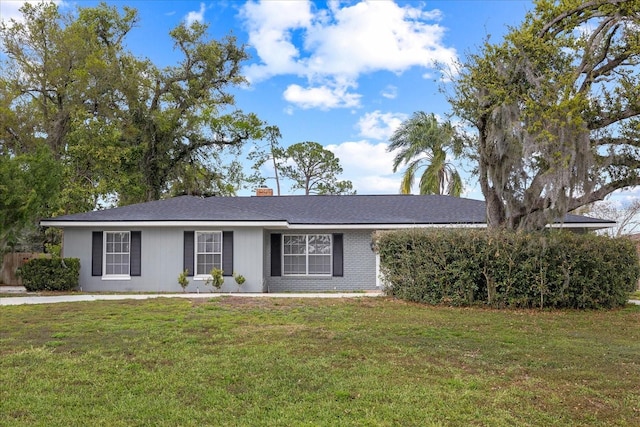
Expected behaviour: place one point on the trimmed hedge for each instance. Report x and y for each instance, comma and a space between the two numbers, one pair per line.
51, 274
505, 269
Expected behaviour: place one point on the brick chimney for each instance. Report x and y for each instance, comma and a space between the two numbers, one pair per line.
264, 191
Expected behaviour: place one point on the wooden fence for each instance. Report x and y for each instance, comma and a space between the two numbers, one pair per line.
11, 262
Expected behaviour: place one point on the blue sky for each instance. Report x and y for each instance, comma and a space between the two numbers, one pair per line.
341, 73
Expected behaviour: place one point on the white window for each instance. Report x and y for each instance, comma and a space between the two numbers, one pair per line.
208, 252
117, 253
306, 255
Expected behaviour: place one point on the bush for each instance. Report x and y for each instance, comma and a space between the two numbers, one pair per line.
51, 274
504, 269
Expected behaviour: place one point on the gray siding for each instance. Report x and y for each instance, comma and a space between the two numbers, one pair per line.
359, 266
247, 259
162, 258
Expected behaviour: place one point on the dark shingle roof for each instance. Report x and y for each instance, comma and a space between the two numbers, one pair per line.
373, 209
319, 210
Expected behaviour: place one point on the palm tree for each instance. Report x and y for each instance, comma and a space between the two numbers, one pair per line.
423, 142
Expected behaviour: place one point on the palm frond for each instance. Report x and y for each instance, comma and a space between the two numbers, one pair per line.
422, 141
455, 184
408, 177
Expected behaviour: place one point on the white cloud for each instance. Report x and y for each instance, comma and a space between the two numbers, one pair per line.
390, 92
375, 35
271, 25
363, 157
625, 196
322, 97
378, 125
329, 46
10, 9
376, 184
195, 16
367, 165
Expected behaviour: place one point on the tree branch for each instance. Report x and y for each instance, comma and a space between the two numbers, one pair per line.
602, 192
592, 74
607, 119
584, 7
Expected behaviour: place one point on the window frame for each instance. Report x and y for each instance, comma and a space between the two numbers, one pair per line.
105, 263
307, 255
206, 275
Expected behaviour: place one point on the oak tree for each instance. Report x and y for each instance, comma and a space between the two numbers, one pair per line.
117, 126
185, 113
556, 108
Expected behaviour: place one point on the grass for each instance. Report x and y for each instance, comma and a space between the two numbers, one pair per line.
321, 362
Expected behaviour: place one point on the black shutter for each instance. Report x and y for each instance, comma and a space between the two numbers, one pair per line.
227, 253
338, 268
187, 256
276, 252
136, 253
96, 253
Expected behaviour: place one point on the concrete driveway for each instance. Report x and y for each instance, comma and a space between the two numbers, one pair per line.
50, 299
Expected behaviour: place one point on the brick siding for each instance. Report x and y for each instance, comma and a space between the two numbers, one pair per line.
359, 267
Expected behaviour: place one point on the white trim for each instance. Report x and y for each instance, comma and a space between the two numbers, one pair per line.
106, 276
186, 224
283, 225
378, 277
307, 274
378, 226
581, 225
117, 277
195, 251
448, 225
280, 225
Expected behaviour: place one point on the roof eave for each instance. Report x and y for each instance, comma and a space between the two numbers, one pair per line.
382, 226
590, 225
294, 226
163, 223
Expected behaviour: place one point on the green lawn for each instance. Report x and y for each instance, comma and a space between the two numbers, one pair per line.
287, 362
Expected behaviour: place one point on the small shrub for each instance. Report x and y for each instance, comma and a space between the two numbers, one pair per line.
239, 278
182, 280
51, 274
217, 279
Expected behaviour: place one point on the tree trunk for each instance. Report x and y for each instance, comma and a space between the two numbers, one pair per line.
496, 216
275, 170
